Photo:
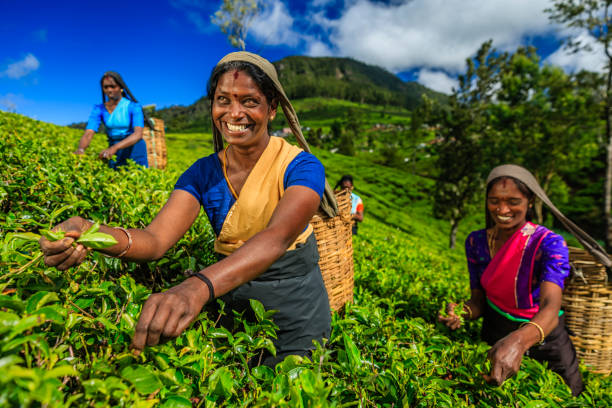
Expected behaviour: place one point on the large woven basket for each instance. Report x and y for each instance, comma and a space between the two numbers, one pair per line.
156, 144
587, 301
335, 244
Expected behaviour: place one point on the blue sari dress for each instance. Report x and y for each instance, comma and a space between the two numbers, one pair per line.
119, 125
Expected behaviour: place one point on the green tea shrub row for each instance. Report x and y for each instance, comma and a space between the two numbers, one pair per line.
65, 335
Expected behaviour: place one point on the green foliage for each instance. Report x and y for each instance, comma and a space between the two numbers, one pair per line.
348, 79
65, 335
510, 109
234, 18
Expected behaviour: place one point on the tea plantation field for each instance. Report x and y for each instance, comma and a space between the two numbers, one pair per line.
64, 336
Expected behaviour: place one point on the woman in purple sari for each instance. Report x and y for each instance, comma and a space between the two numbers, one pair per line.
517, 274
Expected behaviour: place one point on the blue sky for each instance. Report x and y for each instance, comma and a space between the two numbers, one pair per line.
52, 54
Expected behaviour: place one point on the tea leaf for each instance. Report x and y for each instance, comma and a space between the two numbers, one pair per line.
97, 240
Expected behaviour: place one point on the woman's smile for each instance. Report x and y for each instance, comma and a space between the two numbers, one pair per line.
503, 218
236, 127
241, 110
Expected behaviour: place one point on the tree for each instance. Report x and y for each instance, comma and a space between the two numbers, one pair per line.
462, 130
594, 17
547, 120
234, 18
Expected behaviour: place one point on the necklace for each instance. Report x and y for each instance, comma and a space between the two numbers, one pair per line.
225, 173
491, 241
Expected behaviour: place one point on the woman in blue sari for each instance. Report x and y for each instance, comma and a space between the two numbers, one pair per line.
124, 121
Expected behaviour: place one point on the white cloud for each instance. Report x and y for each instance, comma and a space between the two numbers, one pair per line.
433, 33
202, 24
316, 48
10, 102
437, 80
21, 68
197, 12
593, 60
275, 26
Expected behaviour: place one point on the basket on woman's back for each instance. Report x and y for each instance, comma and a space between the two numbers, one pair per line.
156, 144
587, 302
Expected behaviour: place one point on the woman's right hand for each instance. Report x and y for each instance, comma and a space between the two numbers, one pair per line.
62, 254
451, 320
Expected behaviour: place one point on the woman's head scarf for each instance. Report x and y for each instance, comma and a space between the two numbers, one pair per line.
328, 203
522, 174
125, 93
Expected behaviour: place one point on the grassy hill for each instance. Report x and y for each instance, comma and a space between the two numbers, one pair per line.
348, 79
325, 79
64, 336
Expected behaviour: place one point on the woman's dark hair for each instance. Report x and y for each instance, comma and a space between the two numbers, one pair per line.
522, 188
126, 93
346, 177
265, 84
119, 81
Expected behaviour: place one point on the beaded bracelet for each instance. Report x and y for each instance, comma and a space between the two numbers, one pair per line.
469, 309
540, 329
129, 236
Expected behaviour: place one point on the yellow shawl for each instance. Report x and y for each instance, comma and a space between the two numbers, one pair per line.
262, 190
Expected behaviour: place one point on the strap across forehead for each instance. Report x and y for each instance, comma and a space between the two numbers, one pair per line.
328, 203
525, 176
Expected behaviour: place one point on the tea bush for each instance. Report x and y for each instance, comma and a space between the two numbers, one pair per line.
64, 335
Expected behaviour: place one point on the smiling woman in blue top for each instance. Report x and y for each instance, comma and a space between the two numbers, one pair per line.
123, 119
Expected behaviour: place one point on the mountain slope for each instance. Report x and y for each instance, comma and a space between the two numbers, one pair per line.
349, 79
323, 77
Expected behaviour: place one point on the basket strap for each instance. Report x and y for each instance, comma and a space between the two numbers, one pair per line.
153, 144
329, 206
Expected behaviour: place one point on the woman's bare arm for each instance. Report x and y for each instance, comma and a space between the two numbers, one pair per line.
127, 142
169, 225
85, 141
506, 355
167, 314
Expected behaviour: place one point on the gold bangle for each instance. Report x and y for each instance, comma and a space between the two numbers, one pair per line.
129, 236
540, 329
469, 309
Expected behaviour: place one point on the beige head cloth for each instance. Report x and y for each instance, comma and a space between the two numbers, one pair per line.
522, 174
328, 204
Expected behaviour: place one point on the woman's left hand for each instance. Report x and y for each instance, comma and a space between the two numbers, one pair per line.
505, 356
106, 154
166, 315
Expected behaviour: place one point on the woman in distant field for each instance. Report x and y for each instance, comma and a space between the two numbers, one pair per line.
517, 274
346, 183
124, 121
259, 193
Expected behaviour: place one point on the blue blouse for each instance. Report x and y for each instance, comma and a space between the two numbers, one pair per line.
120, 124
205, 181
551, 261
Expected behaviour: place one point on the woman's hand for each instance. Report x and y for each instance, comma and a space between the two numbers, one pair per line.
451, 320
62, 254
505, 356
106, 154
165, 315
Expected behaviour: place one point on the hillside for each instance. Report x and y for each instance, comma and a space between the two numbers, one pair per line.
348, 79
323, 78
65, 335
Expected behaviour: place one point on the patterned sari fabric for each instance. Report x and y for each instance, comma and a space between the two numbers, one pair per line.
511, 282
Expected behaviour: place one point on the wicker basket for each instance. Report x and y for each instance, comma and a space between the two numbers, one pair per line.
335, 243
587, 301
156, 144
